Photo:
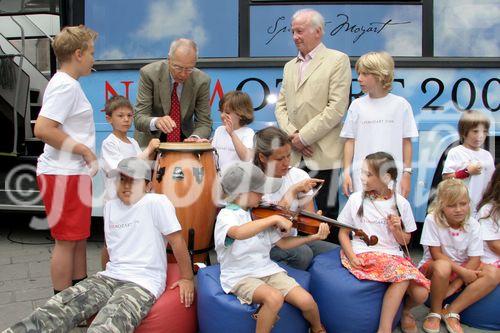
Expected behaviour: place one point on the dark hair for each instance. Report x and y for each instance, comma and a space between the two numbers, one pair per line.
381, 163
492, 196
239, 103
266, 141
470, 119
116, 102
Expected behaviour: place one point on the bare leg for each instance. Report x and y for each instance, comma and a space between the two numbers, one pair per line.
417, 295
80, 260
390, 305
271, 302
301, 299
61, 265
485, 283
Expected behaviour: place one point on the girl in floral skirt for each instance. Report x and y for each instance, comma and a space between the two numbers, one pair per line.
379, 210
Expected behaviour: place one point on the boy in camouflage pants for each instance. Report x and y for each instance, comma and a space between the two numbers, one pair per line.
122, 294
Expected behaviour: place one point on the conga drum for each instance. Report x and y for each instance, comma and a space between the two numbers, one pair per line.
186, 173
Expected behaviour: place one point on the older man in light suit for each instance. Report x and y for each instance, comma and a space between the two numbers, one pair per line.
313, 99
180, 114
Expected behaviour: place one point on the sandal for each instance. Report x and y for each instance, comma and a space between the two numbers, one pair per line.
451, 326
429, 328
410, 326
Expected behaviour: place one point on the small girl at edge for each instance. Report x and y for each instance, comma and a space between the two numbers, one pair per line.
233, 140
452, 251
377, 211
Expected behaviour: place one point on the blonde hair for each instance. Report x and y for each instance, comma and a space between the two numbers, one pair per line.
449, 192
240, 103
71, 39
379, 64
469, 120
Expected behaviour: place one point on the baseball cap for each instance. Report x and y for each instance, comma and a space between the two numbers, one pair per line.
133, 167
242, 177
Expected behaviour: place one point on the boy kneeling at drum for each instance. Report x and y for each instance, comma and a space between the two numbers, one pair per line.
135, 225
243, 248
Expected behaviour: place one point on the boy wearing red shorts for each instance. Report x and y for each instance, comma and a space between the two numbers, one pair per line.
68, 162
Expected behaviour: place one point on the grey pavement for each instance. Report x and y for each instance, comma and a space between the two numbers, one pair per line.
25, 277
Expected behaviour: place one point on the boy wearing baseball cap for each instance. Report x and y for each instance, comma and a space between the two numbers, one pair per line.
135, 224
243, 247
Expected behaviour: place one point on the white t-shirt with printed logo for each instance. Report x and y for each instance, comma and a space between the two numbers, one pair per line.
374, 222
224, 145
114, 150
134, 237
240, 259
457, 244
65, 102
490, 231
378, 124
459, 158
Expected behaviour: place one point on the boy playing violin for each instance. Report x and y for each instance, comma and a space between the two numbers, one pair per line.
243, 247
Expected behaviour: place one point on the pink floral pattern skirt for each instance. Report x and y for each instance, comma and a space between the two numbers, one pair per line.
385, 267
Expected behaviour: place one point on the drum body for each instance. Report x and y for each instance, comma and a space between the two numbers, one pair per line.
187, 175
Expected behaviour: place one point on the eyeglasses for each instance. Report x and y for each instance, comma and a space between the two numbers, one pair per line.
178, 68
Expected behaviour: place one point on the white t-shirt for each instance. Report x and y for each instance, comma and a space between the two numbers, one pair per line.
378, 124
374, 222
292, 177
114, 150
459, 157
240, 259
457, 244
65, 102
224, 145
134, 236
490, 231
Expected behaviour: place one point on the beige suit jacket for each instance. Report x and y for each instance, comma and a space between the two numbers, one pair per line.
153, 100
315, 106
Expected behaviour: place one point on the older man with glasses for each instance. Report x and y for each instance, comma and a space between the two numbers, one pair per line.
173, 98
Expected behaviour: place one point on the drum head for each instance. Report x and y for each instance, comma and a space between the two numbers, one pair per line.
185, 146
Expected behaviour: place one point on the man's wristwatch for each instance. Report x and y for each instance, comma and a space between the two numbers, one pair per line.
408, 170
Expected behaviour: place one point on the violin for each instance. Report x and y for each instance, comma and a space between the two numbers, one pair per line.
307, 222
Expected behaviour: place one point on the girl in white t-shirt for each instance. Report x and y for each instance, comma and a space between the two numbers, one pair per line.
489, 218
377, 121
452, 251
379, 210
233, 140
469, 161
272, 155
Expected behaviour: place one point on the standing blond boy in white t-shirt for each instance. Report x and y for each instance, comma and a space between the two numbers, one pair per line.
68, 162
378, 121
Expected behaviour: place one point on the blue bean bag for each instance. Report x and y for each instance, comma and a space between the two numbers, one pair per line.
219, 312
346, 304
484, 314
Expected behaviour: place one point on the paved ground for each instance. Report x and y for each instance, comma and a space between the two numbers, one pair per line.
24, 269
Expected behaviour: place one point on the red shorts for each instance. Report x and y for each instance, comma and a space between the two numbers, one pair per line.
68, 204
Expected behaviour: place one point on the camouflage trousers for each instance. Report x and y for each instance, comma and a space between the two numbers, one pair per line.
120, 307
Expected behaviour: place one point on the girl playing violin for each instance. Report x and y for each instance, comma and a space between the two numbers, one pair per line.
272, 151
379, 210
452, 256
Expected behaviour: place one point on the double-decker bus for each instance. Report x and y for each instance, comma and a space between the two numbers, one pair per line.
446, 54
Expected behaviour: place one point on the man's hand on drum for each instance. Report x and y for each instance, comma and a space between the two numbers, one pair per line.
194, 138
186, 291
165, 124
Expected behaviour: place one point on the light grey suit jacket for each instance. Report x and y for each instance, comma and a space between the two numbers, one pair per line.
316, 105
153, 100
